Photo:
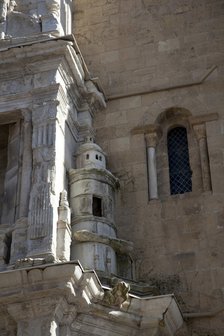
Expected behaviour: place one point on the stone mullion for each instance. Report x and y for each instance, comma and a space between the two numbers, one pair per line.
151, 142
200, 132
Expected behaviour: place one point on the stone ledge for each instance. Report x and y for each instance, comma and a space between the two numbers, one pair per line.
54, 283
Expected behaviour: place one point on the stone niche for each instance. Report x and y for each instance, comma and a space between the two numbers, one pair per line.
9, 149
11, 157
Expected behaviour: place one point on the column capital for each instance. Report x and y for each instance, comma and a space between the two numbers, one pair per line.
151, 139
200, 131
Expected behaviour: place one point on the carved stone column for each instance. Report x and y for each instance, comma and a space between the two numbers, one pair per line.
151, 142
200, 132
64, 228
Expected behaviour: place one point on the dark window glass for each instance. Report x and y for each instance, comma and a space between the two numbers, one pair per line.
97, 206
8, 243
179, 166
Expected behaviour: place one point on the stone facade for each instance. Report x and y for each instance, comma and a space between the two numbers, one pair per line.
147, 259
57, 195
161, 66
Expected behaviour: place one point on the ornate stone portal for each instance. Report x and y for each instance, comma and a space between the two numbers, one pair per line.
47, 102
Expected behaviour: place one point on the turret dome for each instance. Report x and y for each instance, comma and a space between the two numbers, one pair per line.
90, 155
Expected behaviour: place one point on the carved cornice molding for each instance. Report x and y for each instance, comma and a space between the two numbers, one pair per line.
102, 175
204, 118
145, 129
53, 55
61, 290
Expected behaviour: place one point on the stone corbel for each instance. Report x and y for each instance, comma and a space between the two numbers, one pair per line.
94, 97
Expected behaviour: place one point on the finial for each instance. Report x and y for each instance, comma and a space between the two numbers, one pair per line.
63, 198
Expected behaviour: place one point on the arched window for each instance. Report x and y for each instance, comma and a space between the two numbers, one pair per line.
179, 165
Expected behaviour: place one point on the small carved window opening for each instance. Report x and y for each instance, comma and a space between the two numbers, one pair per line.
100, 158
97, 206
179, 165
87, 156
8, 243
96, 156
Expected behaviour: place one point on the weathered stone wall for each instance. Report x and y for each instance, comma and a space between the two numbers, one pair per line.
152, 56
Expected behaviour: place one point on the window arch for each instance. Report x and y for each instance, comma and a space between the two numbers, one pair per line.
179, 164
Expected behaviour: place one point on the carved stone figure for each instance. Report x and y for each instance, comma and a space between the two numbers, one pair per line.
118, 295
64, 199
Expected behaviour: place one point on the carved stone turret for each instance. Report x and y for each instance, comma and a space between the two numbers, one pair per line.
92, 200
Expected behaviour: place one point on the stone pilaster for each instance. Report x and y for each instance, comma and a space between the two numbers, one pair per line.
26, 171
43, 203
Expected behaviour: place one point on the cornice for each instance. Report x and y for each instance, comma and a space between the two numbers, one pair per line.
101, 175
72, 287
